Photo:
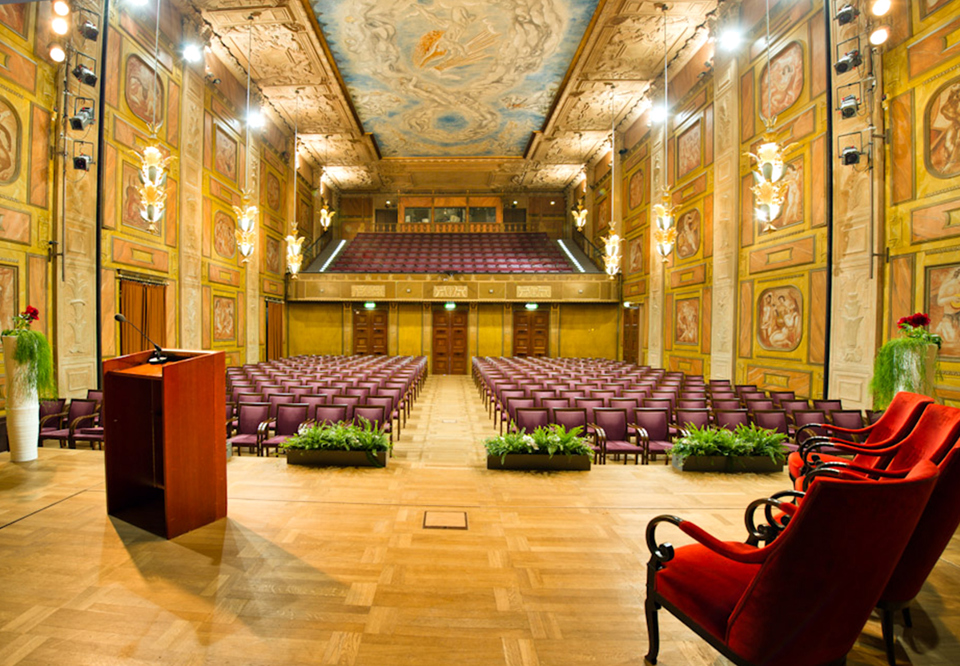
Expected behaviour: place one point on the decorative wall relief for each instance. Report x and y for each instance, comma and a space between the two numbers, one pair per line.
143, 90
635, 256
636, 189
271, 186
687, 321
224, 235
272, 254
942, 131
225, 154
792, 211
224, 318
786, 82
305, 218
130, 213
9, 294
689, 150
10, 141
688, 233
943, 306
780, 318
14, 16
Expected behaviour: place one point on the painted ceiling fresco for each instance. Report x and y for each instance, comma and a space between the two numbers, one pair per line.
453, 77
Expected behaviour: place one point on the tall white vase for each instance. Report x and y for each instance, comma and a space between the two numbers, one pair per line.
921, 376
23, 407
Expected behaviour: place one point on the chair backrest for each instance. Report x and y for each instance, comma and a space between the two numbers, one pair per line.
551, 404
725, 404
779, 396
541, 394
372, 413
276, 399
899, 417
529, 419
858, 544
48, 407
934, 435
301, 390
267, 391
655, 421
384, 401
806, 416
628, 404
348, 401
589, 404
95, 394
571, 417
290, 416
699, 417
692, 403
827, 405
248, 397
358, 391
730, 418
250, 415
659, 403
513, 404
851, 419
330, 414
80, 407
772, 419
790, 406
758, 405
614, 423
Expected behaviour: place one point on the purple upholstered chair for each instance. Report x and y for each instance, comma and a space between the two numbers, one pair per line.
52, 414
653, 431
80, 413
249, 417
529, 419
330, 414
288, 421
613, 436
730, 418
699, 417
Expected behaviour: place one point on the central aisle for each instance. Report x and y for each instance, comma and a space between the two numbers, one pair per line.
447, 426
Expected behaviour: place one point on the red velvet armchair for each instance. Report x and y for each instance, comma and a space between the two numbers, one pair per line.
802, 600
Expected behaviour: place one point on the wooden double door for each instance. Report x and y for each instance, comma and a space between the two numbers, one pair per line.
449, 342
370, 331
632, 320
531, 332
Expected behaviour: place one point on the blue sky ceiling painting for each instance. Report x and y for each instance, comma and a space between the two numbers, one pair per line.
453, 77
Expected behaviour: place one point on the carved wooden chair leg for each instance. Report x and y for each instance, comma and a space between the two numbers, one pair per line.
907, 618
653, 630
886, 625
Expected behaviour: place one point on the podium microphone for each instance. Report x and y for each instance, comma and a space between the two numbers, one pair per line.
158, 356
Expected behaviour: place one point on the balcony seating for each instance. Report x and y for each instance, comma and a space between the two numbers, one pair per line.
451, 253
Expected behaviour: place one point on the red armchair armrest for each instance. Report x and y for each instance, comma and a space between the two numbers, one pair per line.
743, 553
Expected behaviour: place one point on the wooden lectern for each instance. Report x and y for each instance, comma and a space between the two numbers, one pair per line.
166, 448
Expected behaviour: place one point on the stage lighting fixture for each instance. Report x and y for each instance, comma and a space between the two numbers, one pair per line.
730, 39
85, 75
658, 113
846, 14
57, 54
255, 118
880, 7
192, 53
849, 156
61, 8
880, 35
849, 61
849, 106
89, 30
82, 118
60, 25
82, 162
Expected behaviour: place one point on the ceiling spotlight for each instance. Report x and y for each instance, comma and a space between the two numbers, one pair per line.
255, 118
849, 61
730, 39
849, 156
61, 8
89, 30
849, 106
658, 113
82, 118
846, 14
880, 35
57, 54
880, 7
192, 53
59, 25
84, 75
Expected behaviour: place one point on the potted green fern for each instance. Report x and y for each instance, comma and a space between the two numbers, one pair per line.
339, 445
547, 448
749, 448
28, 362
906, 363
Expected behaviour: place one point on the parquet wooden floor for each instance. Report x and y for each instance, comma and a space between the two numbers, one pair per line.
335, 566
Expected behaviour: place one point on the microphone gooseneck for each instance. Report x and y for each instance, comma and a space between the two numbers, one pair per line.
158, 356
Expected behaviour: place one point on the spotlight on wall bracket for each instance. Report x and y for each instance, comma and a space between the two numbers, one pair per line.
846, 14
83, 73
849, 106
82, 157
850, 148
849, 156
57, 52
849, 60
89, 30
83, 114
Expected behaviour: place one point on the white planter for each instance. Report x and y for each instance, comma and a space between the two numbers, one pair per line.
920, 379
23, 407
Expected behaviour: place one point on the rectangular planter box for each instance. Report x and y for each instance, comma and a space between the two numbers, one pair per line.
335, 458
534, 461
757, 465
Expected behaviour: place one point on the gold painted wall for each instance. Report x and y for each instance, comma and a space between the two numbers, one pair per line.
589, 330
410, 329
27, 100
490, 335
316, 328
923, 178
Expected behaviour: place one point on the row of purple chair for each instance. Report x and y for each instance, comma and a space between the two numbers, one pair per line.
69, 424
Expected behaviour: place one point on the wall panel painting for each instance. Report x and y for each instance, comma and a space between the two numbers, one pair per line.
689, 152
791, 212
780, 319
11, 131
636, 189
688, 233
272, 191
787, 78
224, 318
14, 16
943, 306
687, 321
143, 90
928, 7
941, 131
271, 255
9, 293
225, 154
130, 212
224, 235
635, 256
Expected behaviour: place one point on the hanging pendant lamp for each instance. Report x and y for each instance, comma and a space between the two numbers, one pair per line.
247, 211
153, 164
664, 231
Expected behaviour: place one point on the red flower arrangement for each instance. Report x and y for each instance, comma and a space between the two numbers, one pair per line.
22, 321
915, 326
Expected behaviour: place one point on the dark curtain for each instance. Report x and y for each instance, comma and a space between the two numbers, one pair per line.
274, 330
144, 305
